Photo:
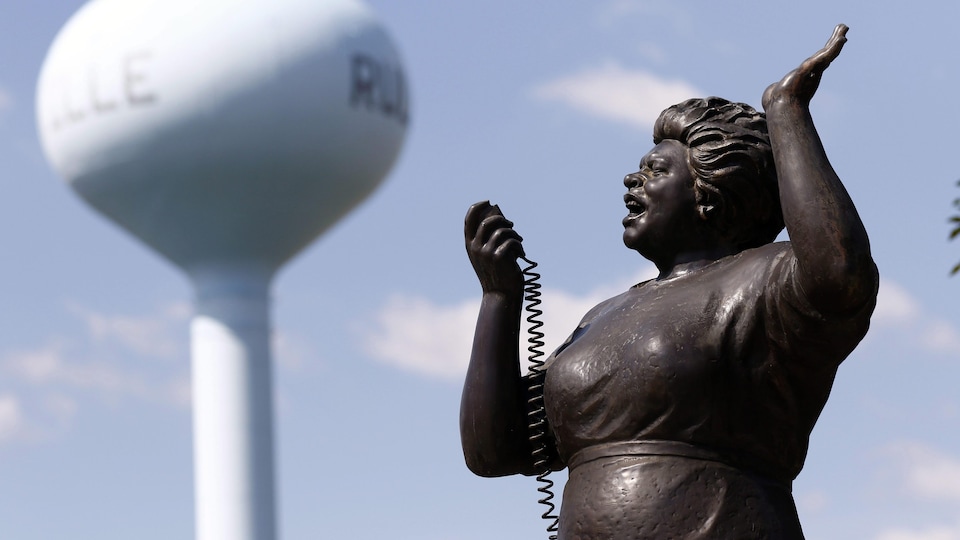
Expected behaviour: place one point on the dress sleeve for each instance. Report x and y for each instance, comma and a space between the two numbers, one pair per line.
796, 329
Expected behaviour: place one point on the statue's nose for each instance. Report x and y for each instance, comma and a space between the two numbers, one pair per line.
633, 180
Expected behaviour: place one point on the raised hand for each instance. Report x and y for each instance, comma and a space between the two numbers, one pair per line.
493, 408
493, 247
835, 270
801, 84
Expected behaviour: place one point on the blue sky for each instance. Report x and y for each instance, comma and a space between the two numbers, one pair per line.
541, 108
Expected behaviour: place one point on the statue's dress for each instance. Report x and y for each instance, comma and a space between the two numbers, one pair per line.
683, 407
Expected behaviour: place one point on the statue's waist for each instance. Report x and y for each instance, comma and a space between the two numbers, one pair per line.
643, 448
674, 449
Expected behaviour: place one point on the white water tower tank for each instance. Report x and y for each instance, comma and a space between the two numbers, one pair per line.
227, 135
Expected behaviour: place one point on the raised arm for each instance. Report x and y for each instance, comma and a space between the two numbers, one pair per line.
835, 268
493, 418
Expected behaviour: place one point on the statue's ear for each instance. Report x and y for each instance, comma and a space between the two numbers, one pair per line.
707, 211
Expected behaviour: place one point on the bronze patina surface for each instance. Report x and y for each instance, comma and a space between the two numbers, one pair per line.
683, 406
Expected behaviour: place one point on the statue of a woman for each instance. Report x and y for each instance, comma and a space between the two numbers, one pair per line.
683, 406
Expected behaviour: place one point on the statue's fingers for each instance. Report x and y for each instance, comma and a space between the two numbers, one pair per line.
475, 215
491, 220
510, 248
822, 58
502, 236
490, 225
839, 35
835, 44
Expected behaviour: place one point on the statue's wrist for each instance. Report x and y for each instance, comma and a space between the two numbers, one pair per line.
786, 106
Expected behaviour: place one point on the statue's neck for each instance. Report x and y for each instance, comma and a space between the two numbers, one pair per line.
692, 261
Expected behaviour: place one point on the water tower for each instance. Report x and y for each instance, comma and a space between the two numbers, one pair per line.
227, 135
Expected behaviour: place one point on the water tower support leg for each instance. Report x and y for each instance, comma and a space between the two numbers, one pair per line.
233, 409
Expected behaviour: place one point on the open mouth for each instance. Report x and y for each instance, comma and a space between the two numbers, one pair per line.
634, 206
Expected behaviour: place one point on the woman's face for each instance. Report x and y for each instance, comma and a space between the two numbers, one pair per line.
663, 220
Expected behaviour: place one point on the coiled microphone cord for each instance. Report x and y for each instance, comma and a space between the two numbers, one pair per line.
536, 412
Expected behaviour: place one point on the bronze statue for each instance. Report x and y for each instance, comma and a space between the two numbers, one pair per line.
683, 406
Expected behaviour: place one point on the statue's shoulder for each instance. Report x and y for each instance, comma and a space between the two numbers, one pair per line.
772, 250
757, 268
767, 255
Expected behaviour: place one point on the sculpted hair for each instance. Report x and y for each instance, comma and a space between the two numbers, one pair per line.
730, 154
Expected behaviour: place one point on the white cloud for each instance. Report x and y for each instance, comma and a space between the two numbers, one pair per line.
415, 334
900, 313
50, 366
37, 366
941, 336
418, 335
11, 420
75, 374
60, 380
895, 305
151, 335
931, 475
928, 472
109, 359
614, 93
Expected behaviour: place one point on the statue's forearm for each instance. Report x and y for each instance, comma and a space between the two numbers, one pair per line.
492, 409
833, 253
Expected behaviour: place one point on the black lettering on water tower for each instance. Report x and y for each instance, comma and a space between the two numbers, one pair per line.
98, 101
378, 86
104, 88
365, 72
135, 80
